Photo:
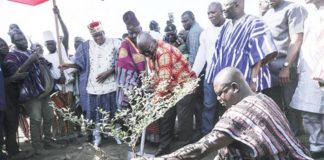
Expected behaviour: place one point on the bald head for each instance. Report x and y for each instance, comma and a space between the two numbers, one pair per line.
231, 87
215, 6
233, 9
146, 44
228, 75
215, 14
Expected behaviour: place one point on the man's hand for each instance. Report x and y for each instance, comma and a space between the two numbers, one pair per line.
42, 60
18, 76
321, 83
65, 66
103, 76
62, 79
284, 76
33, 58
56, 10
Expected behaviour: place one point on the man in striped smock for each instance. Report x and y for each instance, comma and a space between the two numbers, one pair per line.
244, 42
253, 127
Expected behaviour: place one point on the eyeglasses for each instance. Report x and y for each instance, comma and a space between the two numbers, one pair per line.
224, 89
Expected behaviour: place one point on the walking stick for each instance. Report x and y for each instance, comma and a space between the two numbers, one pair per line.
59, 48
58, 42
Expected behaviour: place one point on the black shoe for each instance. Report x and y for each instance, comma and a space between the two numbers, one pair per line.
316, 155
162, 151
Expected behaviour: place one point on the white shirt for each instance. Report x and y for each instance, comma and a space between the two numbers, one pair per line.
311, 50
101, 60
55, 71
308, 96
206, 49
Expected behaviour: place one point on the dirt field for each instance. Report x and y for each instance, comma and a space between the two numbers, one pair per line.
109, 150
82, 150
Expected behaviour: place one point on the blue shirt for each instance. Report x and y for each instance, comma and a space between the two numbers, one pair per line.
242, 45
2, 92
192, 41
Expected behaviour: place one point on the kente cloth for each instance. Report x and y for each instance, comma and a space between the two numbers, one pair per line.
242, 45
33, 85
170, 65
130, 64
260, 131
82, 59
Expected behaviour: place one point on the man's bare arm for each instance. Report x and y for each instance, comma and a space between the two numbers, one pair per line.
214, 140
292, 53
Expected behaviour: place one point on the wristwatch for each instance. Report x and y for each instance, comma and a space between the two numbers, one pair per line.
286, 64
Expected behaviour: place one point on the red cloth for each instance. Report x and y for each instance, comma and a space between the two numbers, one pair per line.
30, 2
170, 65
153, 128
24, 125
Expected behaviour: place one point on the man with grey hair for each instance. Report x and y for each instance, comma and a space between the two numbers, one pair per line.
95, 60
241, 133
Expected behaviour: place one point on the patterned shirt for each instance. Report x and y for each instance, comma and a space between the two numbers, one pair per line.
242, 45
102, 58
260, 131
34, 83
192, 41
130, 64
82, 59
170, 65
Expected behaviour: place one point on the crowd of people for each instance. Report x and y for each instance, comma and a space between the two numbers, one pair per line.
261, 82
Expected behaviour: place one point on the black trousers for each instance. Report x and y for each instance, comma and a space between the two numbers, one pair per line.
11, 119
184, 110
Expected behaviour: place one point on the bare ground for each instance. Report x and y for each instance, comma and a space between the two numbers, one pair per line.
109, 150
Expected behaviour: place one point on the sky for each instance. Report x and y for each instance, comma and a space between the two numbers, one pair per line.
77, 14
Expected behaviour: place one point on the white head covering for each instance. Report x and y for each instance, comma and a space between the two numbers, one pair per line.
95, 27
48, 36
